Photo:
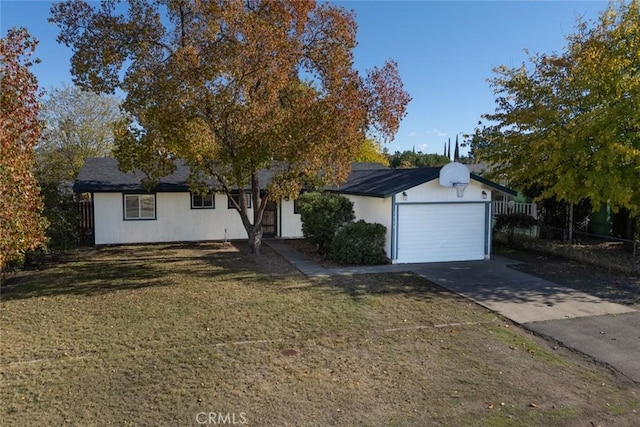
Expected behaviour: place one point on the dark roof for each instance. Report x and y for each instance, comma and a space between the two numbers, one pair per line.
102, 174
367, 179
494, 185
478, 168
385, 183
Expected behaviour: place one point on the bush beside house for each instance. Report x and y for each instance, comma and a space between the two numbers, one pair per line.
322, 214
359, 243
327, 222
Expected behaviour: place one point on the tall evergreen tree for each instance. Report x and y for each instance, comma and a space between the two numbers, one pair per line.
456, 153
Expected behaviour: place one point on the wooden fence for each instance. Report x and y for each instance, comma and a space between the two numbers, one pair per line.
85, 207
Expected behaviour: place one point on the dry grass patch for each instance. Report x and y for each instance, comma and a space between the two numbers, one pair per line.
154, 335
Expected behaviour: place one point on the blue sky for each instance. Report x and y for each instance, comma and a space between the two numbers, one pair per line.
446, 51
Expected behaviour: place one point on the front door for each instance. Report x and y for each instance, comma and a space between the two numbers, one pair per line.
270, 220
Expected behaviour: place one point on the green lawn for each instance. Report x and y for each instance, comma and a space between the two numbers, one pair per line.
181, 334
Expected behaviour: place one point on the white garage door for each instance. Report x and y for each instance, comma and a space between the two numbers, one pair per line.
441, 232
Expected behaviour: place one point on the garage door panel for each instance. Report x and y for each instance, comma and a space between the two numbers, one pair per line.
441, 232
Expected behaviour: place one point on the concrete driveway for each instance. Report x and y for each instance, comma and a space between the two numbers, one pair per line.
614, 340
605, 331
518, 296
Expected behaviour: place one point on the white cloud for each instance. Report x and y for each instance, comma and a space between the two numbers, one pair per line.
413, 134
437, 132
422, 147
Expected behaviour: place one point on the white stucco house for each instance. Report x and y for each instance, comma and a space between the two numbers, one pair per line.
427, 219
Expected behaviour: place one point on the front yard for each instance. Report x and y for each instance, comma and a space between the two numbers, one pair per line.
199, 334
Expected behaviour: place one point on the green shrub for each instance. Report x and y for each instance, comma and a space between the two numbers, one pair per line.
61, 210
359, 243
322, 215
509, 223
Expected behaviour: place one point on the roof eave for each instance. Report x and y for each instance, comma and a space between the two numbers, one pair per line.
494, 185
358, 193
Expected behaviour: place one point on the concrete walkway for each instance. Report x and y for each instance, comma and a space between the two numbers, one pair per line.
606, 331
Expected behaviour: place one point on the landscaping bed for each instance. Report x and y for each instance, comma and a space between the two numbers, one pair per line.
177, 334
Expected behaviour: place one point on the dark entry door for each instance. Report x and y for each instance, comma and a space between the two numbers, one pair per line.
270, 220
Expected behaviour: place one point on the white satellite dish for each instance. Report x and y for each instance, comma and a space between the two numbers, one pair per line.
455, 175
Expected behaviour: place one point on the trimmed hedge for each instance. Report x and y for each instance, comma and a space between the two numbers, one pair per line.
359, 243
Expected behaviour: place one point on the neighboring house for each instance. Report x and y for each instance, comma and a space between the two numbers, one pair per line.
426, 221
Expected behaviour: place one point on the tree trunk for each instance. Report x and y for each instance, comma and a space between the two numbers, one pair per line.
254, 230
255, 240
570, 223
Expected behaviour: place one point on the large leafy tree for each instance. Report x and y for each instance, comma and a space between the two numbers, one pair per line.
371, 152
233, 87
21, 226
77, 124
411, 159
568, 123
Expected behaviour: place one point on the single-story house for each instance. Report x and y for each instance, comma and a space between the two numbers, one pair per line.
431, 214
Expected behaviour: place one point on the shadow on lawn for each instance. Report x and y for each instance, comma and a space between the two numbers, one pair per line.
383, 284
99, 271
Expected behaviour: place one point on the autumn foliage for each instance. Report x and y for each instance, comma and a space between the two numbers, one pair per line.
233, 87
21, 227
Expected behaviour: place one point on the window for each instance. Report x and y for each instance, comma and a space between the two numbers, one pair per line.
296, 207
139, 206
236, 197
203, 201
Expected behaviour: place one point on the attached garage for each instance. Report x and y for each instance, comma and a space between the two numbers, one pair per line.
441, 232
431, 214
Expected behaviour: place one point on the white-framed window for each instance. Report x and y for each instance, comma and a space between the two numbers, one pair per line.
139, 206
203, 201
296, 207
236, 197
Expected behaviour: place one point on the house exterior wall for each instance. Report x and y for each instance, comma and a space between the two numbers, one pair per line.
175, 221
290, 224
433, 192
374, 209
